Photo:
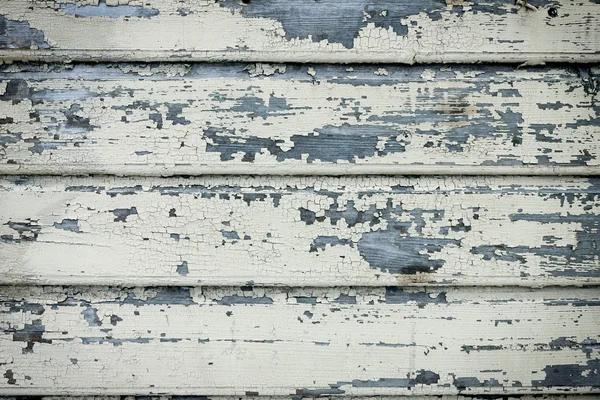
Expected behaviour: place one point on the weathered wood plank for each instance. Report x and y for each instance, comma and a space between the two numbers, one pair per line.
232, 118
293, 231
351, 341
325, 31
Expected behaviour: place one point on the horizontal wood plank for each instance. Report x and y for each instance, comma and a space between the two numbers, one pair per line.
277, 30
350, 341
291, 119
293, 231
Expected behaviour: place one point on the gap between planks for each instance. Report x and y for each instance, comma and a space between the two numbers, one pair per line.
185, 171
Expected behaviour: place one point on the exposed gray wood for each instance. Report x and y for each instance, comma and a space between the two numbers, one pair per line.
324, 31
350, 341
276, 119
295, 231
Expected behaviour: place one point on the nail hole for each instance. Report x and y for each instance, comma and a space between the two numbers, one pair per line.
553, 12
246, 1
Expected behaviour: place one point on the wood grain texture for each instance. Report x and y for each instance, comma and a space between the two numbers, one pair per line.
247, 119
350, 341
276, 30
293, 231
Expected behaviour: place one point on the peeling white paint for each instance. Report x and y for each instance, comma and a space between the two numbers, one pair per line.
152, 69
175, 119
299, 231
227, 341
259, 69
467, 35
394, 286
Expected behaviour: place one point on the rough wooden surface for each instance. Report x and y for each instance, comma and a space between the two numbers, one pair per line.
305, 30
295, 231
350, 341
392, 286
277, 119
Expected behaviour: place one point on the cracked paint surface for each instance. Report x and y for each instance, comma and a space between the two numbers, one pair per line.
390, 341
324, 31
234, 118
300, 230
291, 287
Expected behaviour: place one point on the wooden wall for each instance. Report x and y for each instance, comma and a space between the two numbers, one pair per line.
271, 200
